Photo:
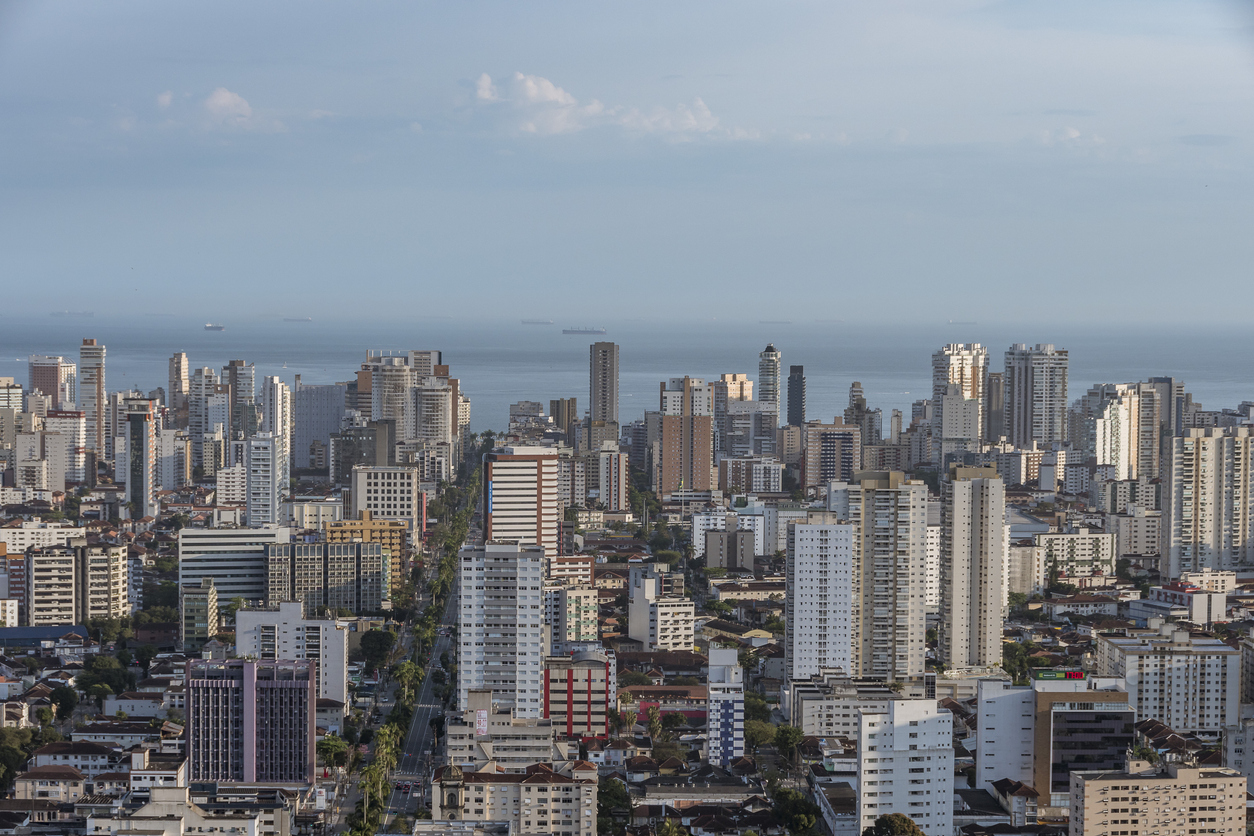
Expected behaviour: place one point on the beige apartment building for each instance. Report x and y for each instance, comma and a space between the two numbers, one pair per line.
392, 535
541, 802
1139, 801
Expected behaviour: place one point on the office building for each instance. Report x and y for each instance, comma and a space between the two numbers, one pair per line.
198, 615
483, 732
832, 452
235, 558
656, 619
973, 567
603, 382
501, 627
283, 632
729, 388
769, 378
541, 802
900, 751
964, 366
251, 721
391, 535
1191, 682
520, 496
725, 688
93, 394
390, 493
889, 518
1209, 504
317, 414
577, 695
684, 455
1215, 800
796, 396
1039, 733
1036, 394
55, 378
330, 576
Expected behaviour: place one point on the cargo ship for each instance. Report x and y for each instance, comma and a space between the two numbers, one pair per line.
583, 330
209, 326
537, 322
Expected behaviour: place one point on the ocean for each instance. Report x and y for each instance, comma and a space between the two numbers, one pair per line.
501, 362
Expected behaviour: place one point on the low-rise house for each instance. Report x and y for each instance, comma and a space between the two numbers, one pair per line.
91, 759
54, 783
1082, 604
135, 704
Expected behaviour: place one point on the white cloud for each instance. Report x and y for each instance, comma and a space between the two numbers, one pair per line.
536, 105
232, 111
164, 99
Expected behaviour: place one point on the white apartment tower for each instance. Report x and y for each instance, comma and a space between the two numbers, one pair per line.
973, 567
1209, 503
615, 480
276, 419
964, 365
520, 497
136, 448
282, 632
266, 480
657, 620
889, 517
92, 394
1036, 394
819, 626
906, 765
503, 638
176, 393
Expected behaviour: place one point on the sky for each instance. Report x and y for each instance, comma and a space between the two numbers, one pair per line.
909, 161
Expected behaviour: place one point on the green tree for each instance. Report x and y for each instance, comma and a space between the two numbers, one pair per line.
633, 678
669, 827
64, 699
756, 708
893, 824
798, 813
629, 720
758, 733
375, 646
611, 796
786, 740
674, 720
654, 722
333, 750
44, 715
144, 655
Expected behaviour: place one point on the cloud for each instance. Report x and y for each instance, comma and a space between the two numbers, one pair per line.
164, 99
232, 111
535, 105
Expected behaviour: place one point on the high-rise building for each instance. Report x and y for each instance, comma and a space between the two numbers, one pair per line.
796, 396
174, 459
1209, 503
282, 631
565, 414
832, 452
520, 496
725, 728
1190, 682
137, 456
1161, 794
56, 378
198, 614
393, 492
317, 414
570, 613
276, 419
235, 558
907, 754
1037, 734
727, 389
73, 583
614, 480
868, 421
267, 483
685, 456
178, 388
889, 517
994, 407
11, 395
329, 576
973, 567
71, 427
560, 803
391, 535
577, 696
958, 430
819, 607
1117, 426
208, 405
1036, 394
603, 381
92, 393
769, 378
251, 721
964, 365
659, 621
502, 636
241, 377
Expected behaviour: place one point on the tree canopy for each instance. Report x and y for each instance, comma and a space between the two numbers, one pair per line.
893, 824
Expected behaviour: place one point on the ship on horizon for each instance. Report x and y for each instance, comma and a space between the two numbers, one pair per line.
583, 330
209, 326
298, 319
537, 322
73, 313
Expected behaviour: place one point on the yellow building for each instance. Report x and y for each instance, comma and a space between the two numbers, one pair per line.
1141, 800
392, 535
